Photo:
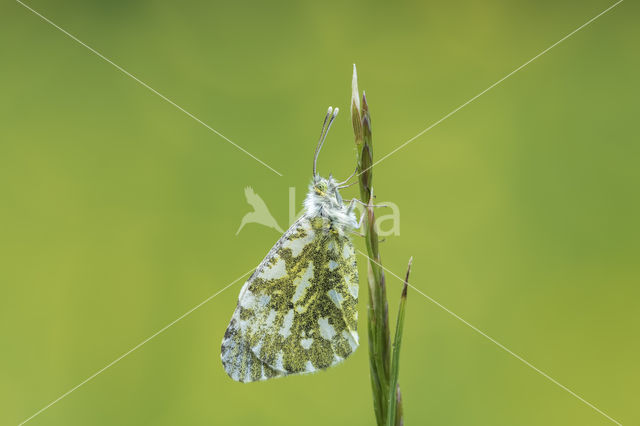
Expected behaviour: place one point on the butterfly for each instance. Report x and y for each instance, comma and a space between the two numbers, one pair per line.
297, 313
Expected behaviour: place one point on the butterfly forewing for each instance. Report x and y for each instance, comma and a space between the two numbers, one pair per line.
297, 313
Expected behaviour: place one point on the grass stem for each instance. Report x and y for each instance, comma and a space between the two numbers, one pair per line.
387, 401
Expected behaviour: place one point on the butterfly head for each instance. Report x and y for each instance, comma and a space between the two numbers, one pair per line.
326, 190
323, 198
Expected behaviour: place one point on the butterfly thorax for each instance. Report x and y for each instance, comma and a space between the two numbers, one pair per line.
324, 200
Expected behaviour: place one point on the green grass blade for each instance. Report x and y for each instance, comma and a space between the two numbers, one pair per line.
394, 411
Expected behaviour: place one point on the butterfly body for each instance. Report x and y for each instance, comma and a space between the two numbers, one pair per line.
297, 313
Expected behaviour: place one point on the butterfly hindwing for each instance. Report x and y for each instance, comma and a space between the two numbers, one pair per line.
297, 313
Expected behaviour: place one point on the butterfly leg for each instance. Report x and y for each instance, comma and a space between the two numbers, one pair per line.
351, 207
345, 183
361, 221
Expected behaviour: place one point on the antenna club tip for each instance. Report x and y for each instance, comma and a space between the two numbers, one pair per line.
335, 111
329, 110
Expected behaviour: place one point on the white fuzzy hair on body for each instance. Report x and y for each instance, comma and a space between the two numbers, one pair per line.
324, 200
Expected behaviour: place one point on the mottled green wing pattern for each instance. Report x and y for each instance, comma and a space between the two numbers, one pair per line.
297, 313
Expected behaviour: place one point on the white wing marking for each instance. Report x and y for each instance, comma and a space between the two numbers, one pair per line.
285, 331
298, 244
302, 283
326, 330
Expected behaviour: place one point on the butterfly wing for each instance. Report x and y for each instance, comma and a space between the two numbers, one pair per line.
297, 313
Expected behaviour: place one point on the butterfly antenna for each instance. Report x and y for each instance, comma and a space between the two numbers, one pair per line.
331, 115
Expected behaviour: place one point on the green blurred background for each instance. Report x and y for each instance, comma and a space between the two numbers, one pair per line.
118, 212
